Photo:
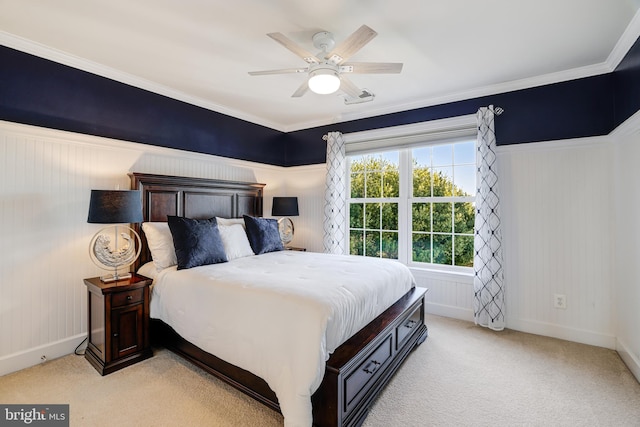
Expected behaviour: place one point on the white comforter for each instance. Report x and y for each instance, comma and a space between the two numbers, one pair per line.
279, 315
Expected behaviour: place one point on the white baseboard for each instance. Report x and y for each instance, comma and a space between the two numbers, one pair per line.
25, 359
629, 358
533, 327
18, 361
449, 311
563, 332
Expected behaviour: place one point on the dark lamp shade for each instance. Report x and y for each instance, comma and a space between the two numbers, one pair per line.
285, 206
115, 207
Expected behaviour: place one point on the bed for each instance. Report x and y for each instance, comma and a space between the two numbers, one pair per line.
355, 367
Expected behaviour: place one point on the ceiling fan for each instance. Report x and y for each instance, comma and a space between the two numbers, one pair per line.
326, 70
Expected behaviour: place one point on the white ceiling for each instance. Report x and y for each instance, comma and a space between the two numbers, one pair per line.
200, 51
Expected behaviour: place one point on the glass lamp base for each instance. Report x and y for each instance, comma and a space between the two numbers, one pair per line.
285, 227
115, 277
113, 249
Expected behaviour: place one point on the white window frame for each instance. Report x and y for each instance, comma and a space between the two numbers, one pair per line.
402, 139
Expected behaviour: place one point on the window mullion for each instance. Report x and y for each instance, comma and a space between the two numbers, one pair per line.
404, 207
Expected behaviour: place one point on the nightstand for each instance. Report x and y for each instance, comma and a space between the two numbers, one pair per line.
118, 315
293, 248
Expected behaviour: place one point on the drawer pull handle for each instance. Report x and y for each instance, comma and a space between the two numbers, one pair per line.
410, 324
115, 335
371, 367
129, 297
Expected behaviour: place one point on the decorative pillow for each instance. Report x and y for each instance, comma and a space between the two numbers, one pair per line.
160, 244
263, 234
229, 221
196, 241
234, 239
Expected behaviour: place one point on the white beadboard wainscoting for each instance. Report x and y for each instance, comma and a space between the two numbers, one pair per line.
557, 225
557, 207
307, 183
557, 210
450, 295
627, 239
45, 182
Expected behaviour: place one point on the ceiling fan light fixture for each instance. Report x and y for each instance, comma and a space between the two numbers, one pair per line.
324, 81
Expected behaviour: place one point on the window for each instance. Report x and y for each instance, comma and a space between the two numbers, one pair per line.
442, 204
414, 204
373, 210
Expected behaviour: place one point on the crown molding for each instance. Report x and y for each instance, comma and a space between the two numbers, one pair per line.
628, 38
61, 57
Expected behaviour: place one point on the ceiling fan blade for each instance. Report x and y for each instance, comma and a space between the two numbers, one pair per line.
282, 71
349, 88
371, 67
301, 90
351, 45
303, 53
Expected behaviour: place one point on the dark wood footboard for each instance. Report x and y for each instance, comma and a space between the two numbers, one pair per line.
355, 373
359, 369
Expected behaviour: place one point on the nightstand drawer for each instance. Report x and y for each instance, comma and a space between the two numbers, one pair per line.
125, 298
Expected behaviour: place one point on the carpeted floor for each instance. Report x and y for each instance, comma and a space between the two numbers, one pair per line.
462, 375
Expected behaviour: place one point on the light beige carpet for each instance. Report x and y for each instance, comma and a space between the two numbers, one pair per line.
462, 375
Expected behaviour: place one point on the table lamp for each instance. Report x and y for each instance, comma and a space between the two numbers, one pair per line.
115, 207
285, 207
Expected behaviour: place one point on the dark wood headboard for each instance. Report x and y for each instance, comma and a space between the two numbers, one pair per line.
198, 198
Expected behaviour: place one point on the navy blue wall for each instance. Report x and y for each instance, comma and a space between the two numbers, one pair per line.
627, 85
43, 93
572, 109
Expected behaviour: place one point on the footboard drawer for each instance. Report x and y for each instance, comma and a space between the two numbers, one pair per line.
358, 370
355, 384
408, 325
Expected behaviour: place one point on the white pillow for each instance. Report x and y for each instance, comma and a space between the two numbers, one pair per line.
160, 244
235, 241
149, 270
230, 221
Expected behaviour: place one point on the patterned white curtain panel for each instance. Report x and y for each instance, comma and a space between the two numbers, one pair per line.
335, 198
488, 284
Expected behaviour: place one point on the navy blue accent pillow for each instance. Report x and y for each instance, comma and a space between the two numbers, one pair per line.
196, 241
263, 234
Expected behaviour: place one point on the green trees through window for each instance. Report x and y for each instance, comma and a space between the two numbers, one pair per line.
373, 222
439, 201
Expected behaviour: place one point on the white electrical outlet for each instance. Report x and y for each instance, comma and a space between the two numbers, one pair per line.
560, 301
